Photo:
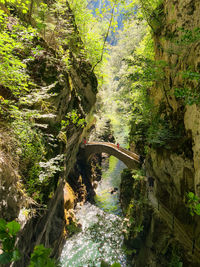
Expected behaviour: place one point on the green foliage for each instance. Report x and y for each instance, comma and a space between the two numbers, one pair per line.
133, 196
143, 70
187, 36
116, 96
116, 265
152, 11
95, 29
193, 202
138, 228
138, 174
191, 75
42, 13
147, 4
188, 95
30, 140
15, 40
129, 251
160, 133
72, 228
12, 70
22, 5
175, 258
175, 262
40, 257
74, 118
132, 225
8, 232
13, 228
50, 168
31, 150
90, 29
36, 169
149, 10
105, 264
147, 125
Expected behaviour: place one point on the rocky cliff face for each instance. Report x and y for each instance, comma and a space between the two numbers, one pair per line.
59, 103
175, 167
177, 44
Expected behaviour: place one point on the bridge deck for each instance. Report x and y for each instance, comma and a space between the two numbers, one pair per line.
131, 159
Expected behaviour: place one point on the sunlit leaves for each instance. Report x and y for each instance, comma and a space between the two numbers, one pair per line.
23, 5
13, 227
40, 17
8, 233
90, 29
145, 10
50, 167
40, 257
95, 25
193, 202
12, 68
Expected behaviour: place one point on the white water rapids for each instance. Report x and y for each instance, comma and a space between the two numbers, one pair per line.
101, 238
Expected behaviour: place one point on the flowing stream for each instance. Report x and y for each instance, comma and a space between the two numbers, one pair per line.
101, 238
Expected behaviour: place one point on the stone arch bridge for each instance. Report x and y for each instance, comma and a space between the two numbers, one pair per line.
130, 159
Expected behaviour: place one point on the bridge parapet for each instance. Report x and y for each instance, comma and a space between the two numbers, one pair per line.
130, 159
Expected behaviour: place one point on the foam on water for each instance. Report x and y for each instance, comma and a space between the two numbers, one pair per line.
101, 237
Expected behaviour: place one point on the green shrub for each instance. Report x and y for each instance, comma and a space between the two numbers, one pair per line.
8, 232
160, 133
175, 260
40, 257
188, 95
31, 151
75, 118
193, 202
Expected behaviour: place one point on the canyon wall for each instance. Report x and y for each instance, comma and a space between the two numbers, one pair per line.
174, 166
59, 105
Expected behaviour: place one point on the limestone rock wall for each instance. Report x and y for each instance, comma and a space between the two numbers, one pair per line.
181, 52
49, 226
177, 165
176, 168
12, 197
59, 90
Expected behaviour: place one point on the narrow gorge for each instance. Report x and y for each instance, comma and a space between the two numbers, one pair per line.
100, 133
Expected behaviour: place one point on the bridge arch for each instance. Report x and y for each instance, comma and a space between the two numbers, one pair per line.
130, 159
